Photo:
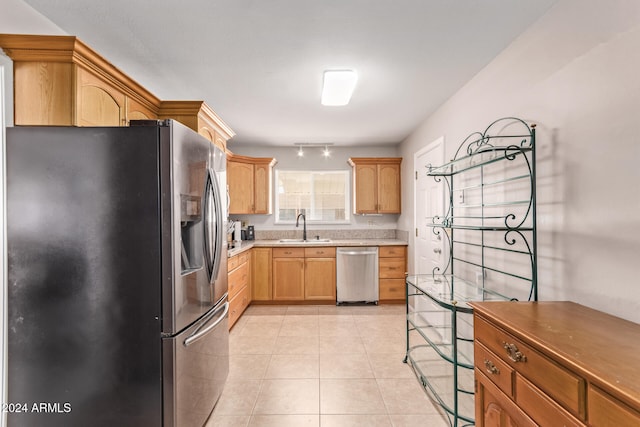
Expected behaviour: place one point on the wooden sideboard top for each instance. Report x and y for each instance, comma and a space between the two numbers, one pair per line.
602, 348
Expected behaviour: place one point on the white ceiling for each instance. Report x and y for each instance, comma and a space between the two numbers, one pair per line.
259, 63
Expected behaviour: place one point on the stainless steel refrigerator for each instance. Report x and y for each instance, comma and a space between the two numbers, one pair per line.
117, 279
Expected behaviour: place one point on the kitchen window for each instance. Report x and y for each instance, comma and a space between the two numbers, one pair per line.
323, 196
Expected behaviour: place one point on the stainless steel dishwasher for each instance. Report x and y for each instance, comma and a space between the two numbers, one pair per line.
357, 275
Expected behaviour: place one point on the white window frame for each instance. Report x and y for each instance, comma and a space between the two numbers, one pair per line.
347, 177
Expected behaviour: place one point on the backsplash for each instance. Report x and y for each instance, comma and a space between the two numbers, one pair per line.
332, 234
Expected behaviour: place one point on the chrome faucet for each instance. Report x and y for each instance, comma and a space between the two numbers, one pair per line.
304, 225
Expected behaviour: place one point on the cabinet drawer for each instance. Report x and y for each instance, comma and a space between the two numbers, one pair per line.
493, 367
238, 304
392, 289
320, 252
238, 278
288, 252
236, 260
391, 251
540, 407
559, 383
233, 262
391, 268
604, 410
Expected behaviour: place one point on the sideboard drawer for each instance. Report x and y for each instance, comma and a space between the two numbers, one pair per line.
494, 368
604, 410
562, 385
540, 407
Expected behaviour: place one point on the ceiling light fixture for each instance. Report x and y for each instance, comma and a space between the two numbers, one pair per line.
338, 86
326, 153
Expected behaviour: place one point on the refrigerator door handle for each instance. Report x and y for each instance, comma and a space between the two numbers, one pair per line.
213, 224
199, 333
220, 234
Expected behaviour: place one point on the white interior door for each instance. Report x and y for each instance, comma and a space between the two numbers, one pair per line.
429, 202
429, 246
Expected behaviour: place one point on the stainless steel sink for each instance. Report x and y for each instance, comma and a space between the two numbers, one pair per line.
304, 241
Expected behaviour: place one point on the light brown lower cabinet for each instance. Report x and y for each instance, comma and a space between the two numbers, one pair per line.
392, 265
554, 364
239, 272
301, 273
261, 274
288, 274
320, 274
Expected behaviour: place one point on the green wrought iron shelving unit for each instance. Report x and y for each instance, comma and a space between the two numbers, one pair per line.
489, 229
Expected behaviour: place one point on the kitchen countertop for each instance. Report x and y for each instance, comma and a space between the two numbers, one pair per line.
248, 244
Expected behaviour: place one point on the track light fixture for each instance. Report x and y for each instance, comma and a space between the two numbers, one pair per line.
325, 151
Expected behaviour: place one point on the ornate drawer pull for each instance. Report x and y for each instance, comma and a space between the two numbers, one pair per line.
491, 368
513, 352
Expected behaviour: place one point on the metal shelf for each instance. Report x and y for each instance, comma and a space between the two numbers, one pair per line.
483, 157
489, 232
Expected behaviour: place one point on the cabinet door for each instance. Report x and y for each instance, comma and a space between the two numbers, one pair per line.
494, 409
241, 187
262, 181
137, 111
320, 278
366, 188
207, 133
99, 104
43, 93
220, 142
288, 279
261, 289
389, 188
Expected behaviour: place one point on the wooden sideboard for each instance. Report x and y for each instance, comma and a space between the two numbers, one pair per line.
554, 363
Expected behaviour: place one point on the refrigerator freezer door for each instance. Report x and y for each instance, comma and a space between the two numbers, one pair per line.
196, 368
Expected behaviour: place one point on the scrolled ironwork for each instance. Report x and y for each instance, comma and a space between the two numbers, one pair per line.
478, 141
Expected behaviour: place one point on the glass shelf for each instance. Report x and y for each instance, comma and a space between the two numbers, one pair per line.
452, 292
440, 381
479, 158
439, 337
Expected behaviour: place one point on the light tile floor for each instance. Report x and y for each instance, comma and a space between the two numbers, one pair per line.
323, 366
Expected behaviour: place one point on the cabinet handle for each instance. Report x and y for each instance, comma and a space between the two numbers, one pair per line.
491, 368
437, 250
513, 352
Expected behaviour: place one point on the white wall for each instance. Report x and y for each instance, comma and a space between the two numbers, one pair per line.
287, 159
575, 74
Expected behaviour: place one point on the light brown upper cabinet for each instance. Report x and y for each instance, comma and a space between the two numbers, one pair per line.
376, 184
249, 180
59, 80
200, 117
